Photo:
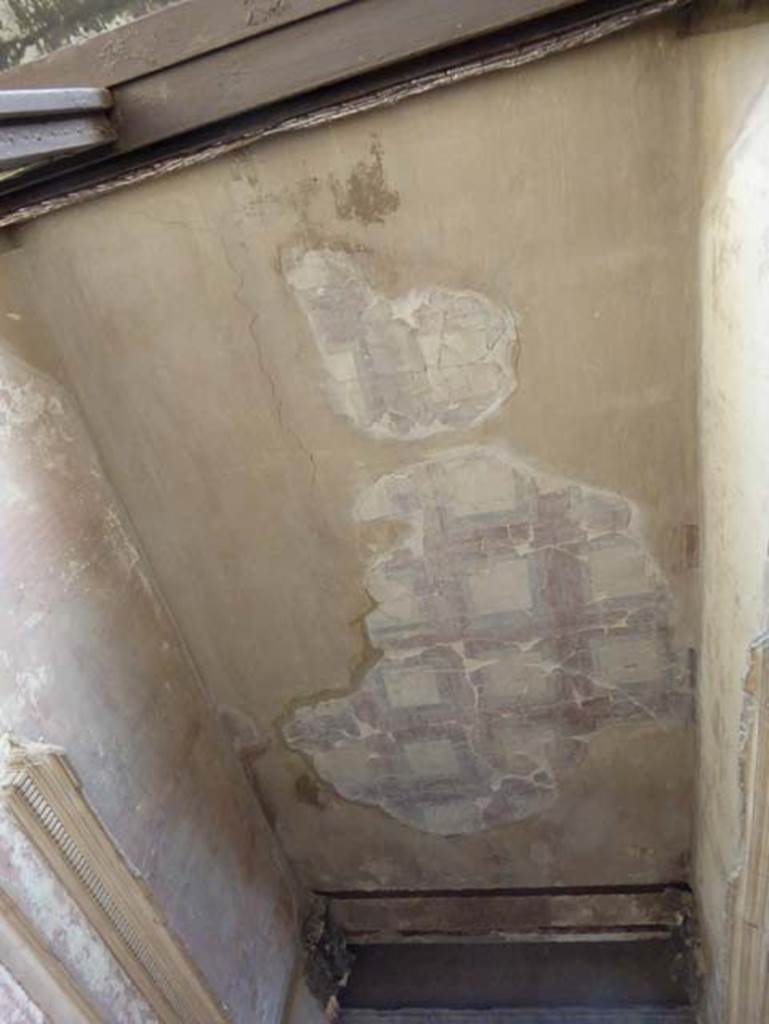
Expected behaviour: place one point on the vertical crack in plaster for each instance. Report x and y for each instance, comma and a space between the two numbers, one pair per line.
277, 402
428, 361
517, 615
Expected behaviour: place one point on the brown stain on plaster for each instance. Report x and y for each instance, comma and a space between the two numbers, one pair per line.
685, 547
367, 656
361, 663
365, 195
249, 746
309, 792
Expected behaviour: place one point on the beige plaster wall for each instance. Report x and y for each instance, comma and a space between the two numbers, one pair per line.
735, 460
91, 661
557, 197
304, 1007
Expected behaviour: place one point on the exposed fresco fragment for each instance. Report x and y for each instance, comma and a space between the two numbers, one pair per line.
516, 614
428, 361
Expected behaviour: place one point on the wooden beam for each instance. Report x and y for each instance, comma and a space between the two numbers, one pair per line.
359, 38
566, 916
350, 57
159, 40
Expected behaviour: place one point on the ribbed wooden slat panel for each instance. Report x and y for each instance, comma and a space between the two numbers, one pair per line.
45, 798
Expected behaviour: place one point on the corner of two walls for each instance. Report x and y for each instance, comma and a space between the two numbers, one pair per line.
91, 661
734, 451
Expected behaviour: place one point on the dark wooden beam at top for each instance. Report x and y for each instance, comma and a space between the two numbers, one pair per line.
359, 38
350, 36
319, 60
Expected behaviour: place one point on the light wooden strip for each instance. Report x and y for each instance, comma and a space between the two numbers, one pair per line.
37, 970
749, 976
46, 800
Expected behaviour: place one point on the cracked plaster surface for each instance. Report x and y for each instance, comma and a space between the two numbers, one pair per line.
425, 362
515, 615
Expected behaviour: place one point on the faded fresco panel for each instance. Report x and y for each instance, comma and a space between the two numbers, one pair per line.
407, 367
516, 616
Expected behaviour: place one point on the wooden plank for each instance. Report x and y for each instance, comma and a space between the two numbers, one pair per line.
176, 33
33, 192
419, 918
360, 38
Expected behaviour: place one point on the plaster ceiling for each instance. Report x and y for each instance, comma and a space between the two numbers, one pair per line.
402, 412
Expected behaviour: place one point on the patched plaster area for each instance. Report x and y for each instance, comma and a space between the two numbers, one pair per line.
430, 360
515, 615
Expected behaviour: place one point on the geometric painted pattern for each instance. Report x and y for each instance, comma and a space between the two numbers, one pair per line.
406, 366
515, 614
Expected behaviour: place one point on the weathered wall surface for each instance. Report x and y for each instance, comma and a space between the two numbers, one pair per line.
515, 617
735, 461
90, 661
304, 1008
60, 924
16, 1006
403, 411
31, 28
